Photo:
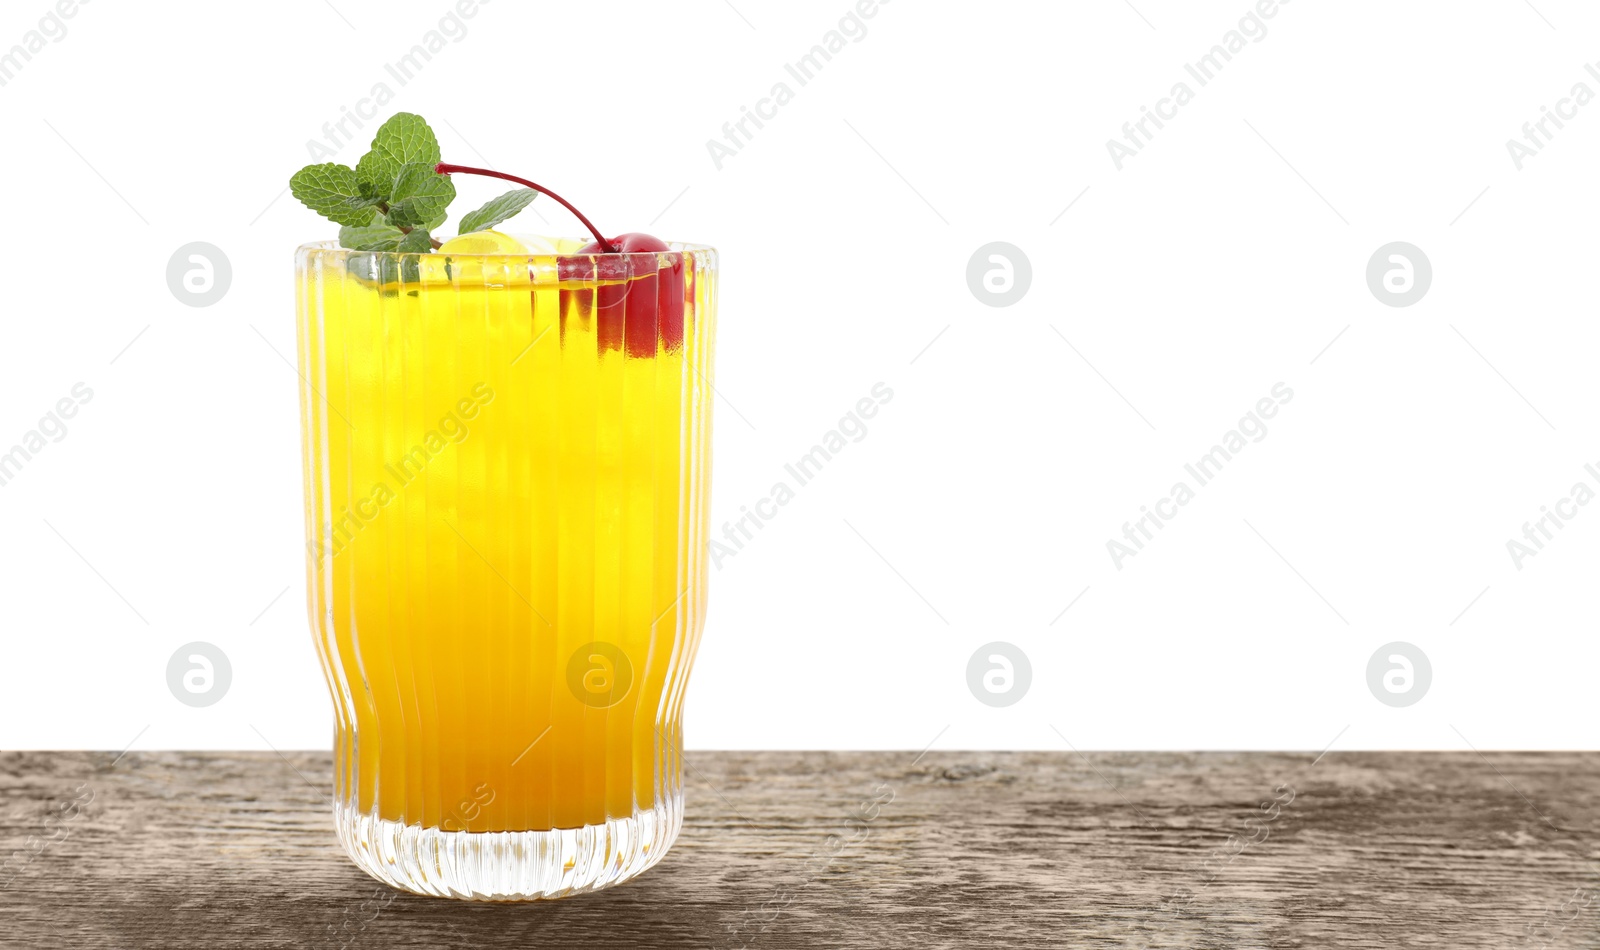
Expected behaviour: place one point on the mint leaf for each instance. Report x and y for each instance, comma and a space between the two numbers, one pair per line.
418, 241
419, 195
374, 177
404, 139
372, 237
334, 192
421, 210
497, 210
418, 179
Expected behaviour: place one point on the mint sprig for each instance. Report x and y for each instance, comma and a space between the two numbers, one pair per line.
393, 200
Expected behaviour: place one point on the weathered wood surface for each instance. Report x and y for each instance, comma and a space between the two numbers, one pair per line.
1390, 850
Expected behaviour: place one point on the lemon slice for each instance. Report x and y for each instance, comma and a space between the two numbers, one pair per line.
483, 242
479, 259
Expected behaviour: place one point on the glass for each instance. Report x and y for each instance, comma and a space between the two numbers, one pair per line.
506, 481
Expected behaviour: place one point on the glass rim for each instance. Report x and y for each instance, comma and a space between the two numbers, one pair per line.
331, 248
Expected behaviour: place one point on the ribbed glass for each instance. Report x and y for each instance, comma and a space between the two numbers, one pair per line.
506, 480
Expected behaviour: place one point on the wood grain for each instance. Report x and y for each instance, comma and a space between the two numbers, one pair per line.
1107, 850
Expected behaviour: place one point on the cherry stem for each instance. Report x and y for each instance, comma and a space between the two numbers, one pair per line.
445, 168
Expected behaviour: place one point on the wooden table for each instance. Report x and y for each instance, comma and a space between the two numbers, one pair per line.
1388, 850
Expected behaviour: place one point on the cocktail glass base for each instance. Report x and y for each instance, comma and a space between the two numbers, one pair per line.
509, 865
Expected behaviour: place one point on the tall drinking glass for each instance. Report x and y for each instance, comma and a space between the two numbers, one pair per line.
506, 482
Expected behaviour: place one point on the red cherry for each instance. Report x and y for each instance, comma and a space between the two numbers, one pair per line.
632, 241
646, 305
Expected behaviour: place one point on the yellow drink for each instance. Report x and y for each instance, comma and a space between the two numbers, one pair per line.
506, 484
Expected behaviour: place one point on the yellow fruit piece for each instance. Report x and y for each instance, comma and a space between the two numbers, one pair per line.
483, 242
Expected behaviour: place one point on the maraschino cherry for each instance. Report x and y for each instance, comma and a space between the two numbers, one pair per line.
641, 299
648, 302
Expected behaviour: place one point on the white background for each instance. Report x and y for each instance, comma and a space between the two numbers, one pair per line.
1222, 259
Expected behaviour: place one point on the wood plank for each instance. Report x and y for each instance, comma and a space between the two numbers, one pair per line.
1446, 850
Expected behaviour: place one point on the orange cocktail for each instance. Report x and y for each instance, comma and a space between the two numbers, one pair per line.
506, 481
